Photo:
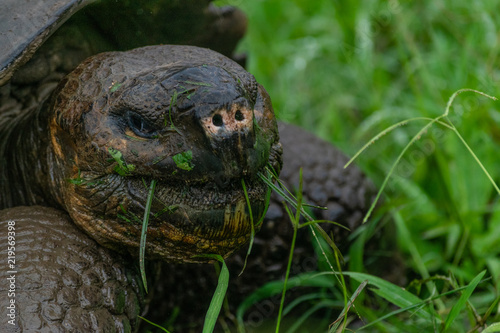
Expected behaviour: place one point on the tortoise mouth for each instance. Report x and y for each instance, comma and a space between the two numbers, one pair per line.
186, 219
202, 210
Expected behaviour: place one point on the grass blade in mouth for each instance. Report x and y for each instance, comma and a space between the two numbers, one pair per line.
268, 198
218, 297
142, 246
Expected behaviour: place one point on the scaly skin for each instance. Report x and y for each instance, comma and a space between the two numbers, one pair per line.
150, 105
61, 280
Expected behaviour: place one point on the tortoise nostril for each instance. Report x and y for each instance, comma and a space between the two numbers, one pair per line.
217, 120
239, 116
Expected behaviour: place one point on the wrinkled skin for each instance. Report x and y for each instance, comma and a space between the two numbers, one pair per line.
151, 105
63, 280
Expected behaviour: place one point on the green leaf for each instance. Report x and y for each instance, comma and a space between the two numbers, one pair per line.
183, 160
78, 180
122, 168
115, 87
455, 310
218, 297
495, 327
391, 292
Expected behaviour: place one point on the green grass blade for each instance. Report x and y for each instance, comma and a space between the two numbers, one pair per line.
406, 238
218, 297
315, 230
142, 246
491, 308
415, 306
155, 325
295, 223
393, 167
457, 307
252, 235
310, 279
305, 224
313, 227
408, 308
456, 93
417, 137
495, 327
299, 321
381, 134
391, 292
477, 160
303, 299
335, 325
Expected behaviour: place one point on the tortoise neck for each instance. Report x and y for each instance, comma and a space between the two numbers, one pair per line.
24, 168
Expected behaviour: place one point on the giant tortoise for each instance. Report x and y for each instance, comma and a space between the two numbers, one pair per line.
91, 119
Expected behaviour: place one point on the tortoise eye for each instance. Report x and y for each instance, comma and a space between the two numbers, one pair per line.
140, 126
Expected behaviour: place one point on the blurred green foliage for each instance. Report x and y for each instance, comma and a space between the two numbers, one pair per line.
346, 70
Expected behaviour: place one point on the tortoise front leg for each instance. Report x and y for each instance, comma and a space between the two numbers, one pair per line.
54, 278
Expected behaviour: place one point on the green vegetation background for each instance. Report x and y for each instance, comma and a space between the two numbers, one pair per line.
346, 70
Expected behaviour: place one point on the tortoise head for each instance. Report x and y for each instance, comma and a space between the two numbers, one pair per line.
188, 118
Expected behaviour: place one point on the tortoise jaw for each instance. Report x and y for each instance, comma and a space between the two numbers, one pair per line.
232, 232
217, 222
185, 221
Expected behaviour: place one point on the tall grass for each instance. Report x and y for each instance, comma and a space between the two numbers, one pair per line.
347, 70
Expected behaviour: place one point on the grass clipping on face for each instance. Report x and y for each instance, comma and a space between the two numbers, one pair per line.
121, 167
